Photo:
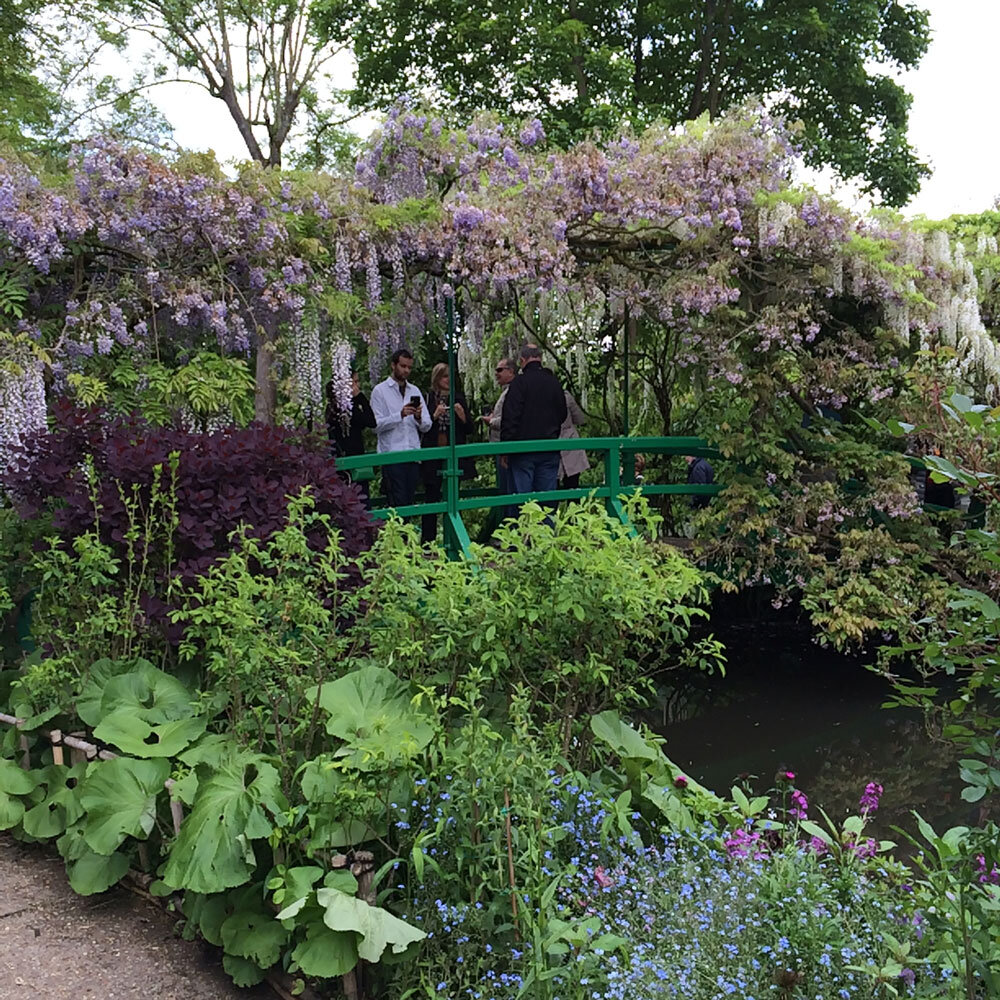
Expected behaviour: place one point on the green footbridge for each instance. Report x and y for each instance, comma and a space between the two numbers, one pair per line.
616, 453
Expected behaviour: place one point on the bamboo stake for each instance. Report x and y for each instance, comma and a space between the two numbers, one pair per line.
57, 751
90, 749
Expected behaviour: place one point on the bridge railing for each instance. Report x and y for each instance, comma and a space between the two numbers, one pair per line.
616, 453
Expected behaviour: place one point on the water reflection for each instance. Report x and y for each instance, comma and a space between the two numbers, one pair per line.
786, 703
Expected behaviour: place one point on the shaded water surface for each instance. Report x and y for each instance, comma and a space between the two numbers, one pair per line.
786, 703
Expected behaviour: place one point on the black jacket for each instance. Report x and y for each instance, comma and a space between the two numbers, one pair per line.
430, 438
534, 407
348, 440
700, 471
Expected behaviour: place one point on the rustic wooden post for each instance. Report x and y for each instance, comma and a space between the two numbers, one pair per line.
57, 751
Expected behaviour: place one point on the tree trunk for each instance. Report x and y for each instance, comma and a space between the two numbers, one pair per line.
698, 98
266, 387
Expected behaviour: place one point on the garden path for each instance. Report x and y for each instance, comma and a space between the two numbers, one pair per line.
56, 945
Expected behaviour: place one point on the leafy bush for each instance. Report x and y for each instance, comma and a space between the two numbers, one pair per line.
172, 498
575, 618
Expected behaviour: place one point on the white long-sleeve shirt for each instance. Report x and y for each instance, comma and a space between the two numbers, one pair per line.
396, 433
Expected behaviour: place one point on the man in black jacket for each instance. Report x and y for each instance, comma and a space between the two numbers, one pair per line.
700, 472
534, 409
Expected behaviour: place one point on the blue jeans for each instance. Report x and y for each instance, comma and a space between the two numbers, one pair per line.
400, 483
535, 472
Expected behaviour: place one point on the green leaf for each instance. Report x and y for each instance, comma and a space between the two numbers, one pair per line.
326, 953
973, 793
94, 873
72, 845
207, 913
378, 928
147, 693
58, 801
621, 737
140, 738
853, 824
742, 802
88, 703
342, 879
242, 971
14, 782
372, 711
119, 797
233, 803
814, 830
254, 934
295, 883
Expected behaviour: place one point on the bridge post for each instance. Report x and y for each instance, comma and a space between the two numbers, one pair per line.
456, 538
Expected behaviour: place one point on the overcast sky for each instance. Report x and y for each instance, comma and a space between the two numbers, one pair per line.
953, 121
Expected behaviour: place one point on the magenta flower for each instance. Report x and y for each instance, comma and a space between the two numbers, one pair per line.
870, 798
680, 781
743, 844
992, 876
799, 806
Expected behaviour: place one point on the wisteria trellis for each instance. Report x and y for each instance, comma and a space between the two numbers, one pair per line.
699, 232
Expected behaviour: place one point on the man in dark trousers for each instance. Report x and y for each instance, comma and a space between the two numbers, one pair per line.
534, 409
699, 471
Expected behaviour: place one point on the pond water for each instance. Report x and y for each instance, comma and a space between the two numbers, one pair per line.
786, 703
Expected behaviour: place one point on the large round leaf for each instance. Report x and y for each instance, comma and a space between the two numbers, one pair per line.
242, 971
372, 711
88, 703
213, 850
120, 799
96, 872
378, 928
326, 953
148, 694
57, 801
14, 783
254, 934
135, 735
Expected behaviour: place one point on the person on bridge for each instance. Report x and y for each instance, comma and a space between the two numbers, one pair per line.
572, 463
346, 429
534, 409
401, 416
505, 372
438, 437
699, 471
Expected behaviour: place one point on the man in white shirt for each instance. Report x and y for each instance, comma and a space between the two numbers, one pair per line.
400, 417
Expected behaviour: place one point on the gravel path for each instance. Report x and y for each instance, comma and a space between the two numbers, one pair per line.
56, 945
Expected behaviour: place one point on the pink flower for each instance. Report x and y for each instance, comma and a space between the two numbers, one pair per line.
680, 781
602, 879
799, 806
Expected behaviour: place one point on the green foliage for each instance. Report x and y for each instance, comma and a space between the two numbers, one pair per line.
578, 616
237, 804
587, 68
960, 890
203, 392
119, 797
